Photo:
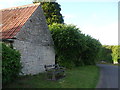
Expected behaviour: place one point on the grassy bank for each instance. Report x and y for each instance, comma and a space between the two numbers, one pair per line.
80, 77
109, 63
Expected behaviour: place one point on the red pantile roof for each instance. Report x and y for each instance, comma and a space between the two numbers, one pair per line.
14, 18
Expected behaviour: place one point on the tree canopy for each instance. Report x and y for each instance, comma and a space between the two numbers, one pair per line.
51, 11
115, 52
72, 47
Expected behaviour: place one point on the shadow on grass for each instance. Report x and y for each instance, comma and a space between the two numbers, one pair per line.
79, 77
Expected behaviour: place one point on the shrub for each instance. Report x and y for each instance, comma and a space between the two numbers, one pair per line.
11, 65
72, 47
91, 54
106, 54
67, 40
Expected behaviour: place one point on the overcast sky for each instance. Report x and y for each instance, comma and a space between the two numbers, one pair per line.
98, 18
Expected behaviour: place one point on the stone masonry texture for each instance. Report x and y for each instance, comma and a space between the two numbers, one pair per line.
35, 44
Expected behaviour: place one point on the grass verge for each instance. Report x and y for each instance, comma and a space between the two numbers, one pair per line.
110, 64
79, 77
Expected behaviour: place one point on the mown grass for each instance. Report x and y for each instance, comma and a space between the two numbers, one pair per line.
80, 77
110, 64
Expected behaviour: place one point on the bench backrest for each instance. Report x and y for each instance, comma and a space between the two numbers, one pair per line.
47, 67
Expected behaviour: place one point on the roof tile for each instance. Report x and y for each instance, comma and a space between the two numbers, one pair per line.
14, 18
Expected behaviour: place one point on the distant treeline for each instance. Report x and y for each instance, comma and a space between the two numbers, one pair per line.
110, 53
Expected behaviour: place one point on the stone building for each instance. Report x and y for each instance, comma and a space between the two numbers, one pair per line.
25, 29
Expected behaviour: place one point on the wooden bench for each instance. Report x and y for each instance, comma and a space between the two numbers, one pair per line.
54, 72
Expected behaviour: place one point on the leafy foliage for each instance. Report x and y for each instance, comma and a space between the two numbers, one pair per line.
72, 47
51, 12
11, 65
106, 54
115, 52
91, 54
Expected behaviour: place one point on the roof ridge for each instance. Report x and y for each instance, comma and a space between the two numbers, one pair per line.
23, 6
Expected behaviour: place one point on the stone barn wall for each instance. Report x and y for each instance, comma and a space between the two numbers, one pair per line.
35, 44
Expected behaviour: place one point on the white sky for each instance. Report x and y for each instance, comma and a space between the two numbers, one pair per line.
98, 19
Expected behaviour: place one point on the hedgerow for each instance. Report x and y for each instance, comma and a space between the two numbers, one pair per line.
106, 55
72, 47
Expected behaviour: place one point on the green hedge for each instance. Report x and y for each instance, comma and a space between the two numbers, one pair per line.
72, 47
11, 65
106, 55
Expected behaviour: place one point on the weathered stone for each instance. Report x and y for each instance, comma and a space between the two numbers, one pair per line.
35, 44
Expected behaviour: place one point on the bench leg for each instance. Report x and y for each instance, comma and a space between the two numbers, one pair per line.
53, 77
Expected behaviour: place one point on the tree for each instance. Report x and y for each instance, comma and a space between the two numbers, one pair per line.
91, 55
51, 11
67, 40
106, 54
115, 52
72, 47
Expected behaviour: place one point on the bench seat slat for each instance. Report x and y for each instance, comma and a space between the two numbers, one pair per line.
54, 70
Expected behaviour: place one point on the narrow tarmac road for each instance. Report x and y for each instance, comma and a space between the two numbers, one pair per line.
108, 76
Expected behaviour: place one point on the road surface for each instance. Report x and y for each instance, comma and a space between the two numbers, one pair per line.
108, 76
